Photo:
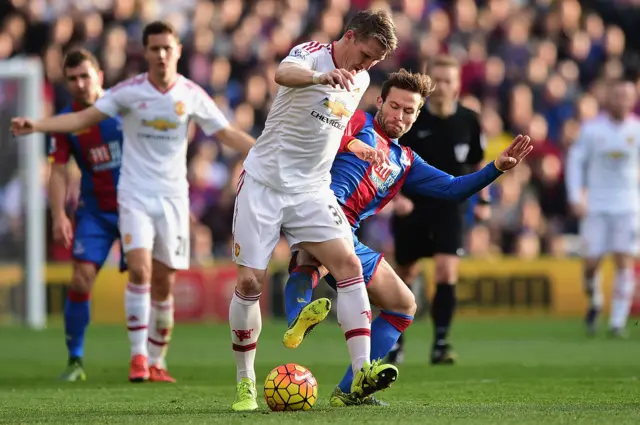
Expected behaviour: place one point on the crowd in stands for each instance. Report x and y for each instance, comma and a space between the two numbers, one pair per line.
538, 67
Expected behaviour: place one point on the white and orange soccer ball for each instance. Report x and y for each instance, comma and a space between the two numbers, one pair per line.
290, 387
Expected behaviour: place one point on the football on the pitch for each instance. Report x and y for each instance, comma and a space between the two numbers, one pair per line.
290, 387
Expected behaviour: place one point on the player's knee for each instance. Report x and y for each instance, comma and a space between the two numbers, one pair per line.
349, 266
162, 284
139, 272
446, 269
408, 273
84, 274
249, 282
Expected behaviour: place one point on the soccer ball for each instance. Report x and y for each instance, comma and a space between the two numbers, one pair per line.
290, 387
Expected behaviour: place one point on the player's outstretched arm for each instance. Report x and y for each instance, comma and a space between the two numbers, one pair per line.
295, 76
429, 181
236, 139
65, 123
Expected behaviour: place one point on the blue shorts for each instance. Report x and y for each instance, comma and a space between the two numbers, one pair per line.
95, 233
369, 259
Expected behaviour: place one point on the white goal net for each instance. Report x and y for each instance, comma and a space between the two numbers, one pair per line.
22, 198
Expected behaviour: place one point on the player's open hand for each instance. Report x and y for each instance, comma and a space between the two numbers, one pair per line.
368, 153
22, 126
338, 78
513, 155
402, 206
63, 231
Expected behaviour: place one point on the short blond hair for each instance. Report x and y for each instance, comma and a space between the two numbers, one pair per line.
376, 24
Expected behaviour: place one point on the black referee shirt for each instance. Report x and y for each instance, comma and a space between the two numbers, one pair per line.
453, 144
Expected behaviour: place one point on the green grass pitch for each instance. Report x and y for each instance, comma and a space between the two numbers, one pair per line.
511, 371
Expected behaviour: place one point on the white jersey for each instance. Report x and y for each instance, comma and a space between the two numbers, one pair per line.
605, 161
155, 125
304, 127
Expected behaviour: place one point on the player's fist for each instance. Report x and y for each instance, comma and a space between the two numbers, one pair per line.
578, 209
63, 231
513, 155
368, 153
338, 78
482, 212
21, 126
402, 206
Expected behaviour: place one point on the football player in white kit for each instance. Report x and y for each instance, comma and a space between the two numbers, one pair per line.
153, 197
285, 186
604, 161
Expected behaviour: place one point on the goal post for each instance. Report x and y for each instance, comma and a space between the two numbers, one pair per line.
28, 74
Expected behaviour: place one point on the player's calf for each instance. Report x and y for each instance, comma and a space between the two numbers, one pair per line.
246, 323
161, 321
76, 318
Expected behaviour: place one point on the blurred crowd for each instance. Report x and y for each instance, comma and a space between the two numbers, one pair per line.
538, 67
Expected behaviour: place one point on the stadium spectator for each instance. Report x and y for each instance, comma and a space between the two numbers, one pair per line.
528, 65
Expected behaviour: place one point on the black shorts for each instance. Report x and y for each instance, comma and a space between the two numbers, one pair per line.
427, 232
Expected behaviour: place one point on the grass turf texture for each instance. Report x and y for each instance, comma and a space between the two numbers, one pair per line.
511, 371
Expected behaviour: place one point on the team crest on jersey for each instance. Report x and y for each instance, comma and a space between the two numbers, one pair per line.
160, 124
337, 108
383, 176
179, 108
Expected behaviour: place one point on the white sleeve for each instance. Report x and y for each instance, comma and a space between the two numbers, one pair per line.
301, 55
112, 102
207, 114
577, 159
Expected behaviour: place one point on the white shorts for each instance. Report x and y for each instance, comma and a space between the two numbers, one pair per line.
157, 223
604, 233
261, 212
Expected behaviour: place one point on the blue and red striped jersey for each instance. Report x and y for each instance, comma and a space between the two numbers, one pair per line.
364, 189
98, 152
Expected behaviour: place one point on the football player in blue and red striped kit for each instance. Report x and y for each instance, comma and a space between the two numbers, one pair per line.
363, 187
97, 152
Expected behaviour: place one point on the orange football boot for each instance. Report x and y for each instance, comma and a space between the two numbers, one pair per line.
158, 374
139, 369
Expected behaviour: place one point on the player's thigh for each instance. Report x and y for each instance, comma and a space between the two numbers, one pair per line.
316, 224
625, 235
388, 292
369, 259
257, 219
172, 234
136, 224
94, 236
594, 234
315, 217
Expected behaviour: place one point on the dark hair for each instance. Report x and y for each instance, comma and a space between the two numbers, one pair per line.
156, 28
75, 57
375, 24
405, 80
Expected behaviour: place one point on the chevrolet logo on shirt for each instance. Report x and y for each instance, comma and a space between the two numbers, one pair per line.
160, 124
337, 108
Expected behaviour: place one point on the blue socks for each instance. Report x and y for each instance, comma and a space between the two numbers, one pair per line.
299, 289
77, 314
385, 331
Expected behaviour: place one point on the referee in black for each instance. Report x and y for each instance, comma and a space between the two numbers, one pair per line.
448, 136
